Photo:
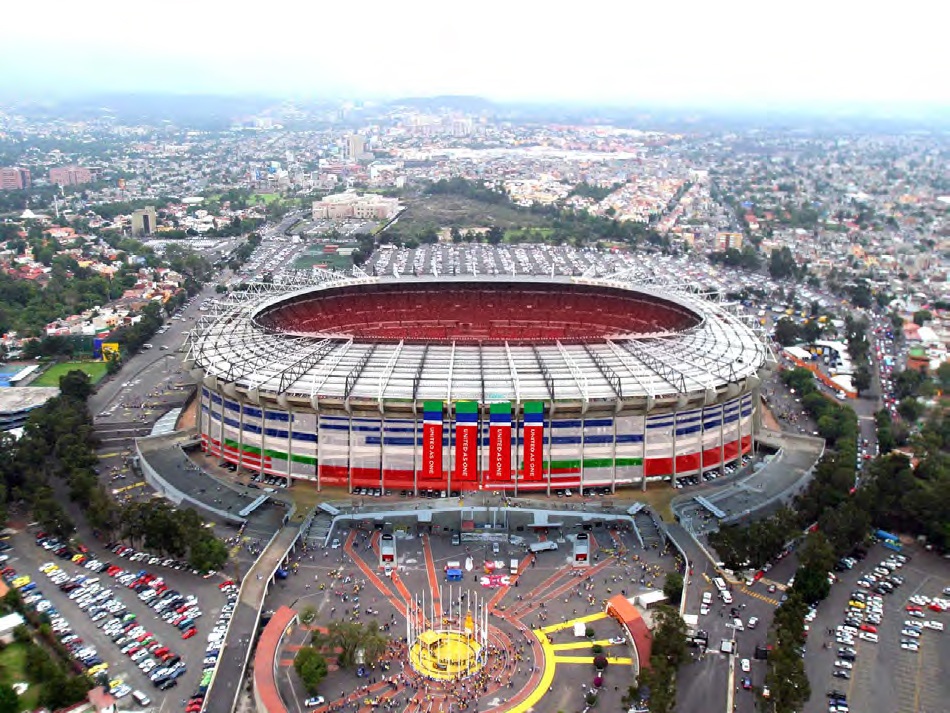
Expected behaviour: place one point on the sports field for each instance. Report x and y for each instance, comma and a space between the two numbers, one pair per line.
50, 377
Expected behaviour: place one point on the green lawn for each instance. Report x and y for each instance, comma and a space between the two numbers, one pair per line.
263, 198
336, 261
12, 665
50, 377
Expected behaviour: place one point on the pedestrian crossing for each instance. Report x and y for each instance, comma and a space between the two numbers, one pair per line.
771, 582
760, 597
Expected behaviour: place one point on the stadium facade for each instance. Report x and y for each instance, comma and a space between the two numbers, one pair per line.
464, 384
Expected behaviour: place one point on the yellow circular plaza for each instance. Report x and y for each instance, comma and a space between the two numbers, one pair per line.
446, 655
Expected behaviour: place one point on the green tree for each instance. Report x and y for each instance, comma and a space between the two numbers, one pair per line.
861, 379
673, 587
922, 316
910, 409
787, 333
75, 384
311, 666
9, 701
348, 638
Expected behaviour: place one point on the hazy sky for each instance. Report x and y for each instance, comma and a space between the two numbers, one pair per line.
619, 51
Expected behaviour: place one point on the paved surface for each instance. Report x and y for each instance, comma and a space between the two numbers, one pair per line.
885, 679
752, 493
546, 593
167, 457
243, 629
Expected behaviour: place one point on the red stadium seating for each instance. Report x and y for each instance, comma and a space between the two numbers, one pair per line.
482, 313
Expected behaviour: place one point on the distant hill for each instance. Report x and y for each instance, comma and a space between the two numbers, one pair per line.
461, 102
204, 111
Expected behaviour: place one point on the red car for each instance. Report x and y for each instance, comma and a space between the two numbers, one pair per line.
868, 628
83, 549
912, 607
188, 634
193, 708
161, 651
935, 607
228, 583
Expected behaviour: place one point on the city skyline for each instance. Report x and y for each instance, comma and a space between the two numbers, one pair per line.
737, 56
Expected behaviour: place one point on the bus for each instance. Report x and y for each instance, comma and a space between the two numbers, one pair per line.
884, 535
720, 583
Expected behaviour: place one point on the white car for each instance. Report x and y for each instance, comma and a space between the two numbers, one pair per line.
935, 625
868, 636
745, 665
909, 646
912, 633
618, 640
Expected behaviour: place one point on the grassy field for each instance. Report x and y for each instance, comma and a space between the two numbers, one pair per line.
50, 377
13, 670
658, 497
463, 213
307, 260
263, 198
527, 235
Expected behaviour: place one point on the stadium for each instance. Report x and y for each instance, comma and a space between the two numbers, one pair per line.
467, 383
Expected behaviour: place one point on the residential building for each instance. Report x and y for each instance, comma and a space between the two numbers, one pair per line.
724, 241
144, 221
355, 147
13, 178
70, 175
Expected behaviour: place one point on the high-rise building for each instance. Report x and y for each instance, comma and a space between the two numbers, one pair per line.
70, 175
13, 178
144, 221
355, 147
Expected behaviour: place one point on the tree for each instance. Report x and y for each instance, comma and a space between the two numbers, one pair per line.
75, 384
922, 316
308, 614
909, 409
782, 263
347, 638
861, 379
943, 376
311, 666
673, 587
9, 701
787, 332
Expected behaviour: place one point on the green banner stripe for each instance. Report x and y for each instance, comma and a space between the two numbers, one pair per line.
501, 408
589, 463
466, 407
431, 405
268, 453
534, 407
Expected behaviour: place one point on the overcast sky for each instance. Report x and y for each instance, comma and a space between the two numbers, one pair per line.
801, 53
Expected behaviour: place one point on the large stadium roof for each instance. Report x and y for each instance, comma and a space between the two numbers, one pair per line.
231, 350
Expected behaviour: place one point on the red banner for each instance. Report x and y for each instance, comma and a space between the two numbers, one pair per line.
432, 451
499, 463
466, 453
533, 453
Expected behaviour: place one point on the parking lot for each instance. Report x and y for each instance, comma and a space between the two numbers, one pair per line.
27, 558
885, 676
